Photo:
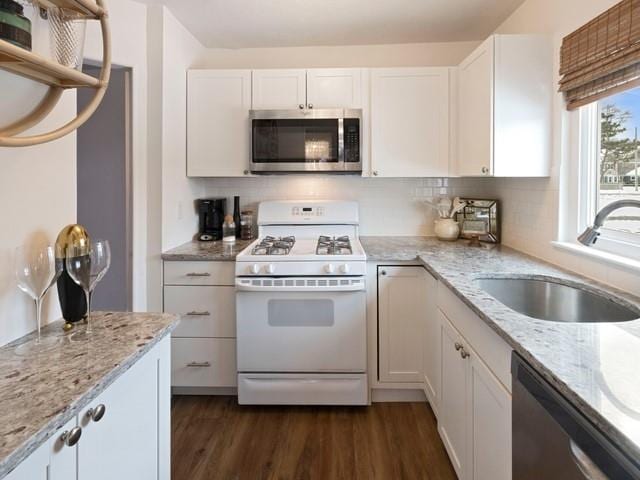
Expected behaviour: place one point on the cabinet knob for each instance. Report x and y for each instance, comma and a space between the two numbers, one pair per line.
375, 173
71, 437
310, 105
458, 346
301, 106
97, 413
383, 272
246, 172
464, 354
485, 170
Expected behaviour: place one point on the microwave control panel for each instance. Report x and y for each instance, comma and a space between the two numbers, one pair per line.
351, 140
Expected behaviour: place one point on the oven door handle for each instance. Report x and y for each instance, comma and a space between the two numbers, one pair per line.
261, 288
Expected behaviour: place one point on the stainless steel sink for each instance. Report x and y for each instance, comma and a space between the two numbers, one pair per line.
548, 300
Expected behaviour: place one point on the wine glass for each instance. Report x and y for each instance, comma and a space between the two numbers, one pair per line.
87, 269
37, 269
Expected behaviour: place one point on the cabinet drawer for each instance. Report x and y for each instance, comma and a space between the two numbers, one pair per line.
199, 273
203, 362
493, 350
204, 311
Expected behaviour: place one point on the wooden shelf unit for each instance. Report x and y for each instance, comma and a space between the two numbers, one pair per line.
30, 65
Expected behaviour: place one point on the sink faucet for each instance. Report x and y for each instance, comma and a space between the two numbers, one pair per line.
590, 235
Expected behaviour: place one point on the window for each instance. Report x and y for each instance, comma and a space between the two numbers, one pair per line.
610, 169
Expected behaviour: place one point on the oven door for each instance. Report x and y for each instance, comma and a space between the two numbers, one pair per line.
280, 330
304, 141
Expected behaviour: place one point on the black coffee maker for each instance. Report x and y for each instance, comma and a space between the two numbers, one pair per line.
211, 211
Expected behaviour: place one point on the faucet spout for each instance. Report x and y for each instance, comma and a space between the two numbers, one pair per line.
590, 235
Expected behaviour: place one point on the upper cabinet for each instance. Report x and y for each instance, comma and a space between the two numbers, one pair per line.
504, 102
275, 89
410, 122
313, 88
218, 136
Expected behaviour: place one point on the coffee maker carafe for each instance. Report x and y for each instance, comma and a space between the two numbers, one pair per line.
211, 211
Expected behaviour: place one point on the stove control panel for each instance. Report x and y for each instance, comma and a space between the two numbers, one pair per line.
309, 211
292, 268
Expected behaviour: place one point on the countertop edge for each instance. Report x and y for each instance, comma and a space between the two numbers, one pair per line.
11, 461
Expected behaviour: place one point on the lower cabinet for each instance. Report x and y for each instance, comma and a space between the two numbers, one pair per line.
474, 418
124, 433
401, 305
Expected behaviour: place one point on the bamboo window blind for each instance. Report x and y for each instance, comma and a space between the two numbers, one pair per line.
603, 56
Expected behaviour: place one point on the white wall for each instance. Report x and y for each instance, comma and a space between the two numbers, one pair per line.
38, 184
531, 206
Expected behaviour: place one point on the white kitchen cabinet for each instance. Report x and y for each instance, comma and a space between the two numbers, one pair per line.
335, 88
431, 344
410, 122
218, 131
453, 423
279, 89
489, 411
504, 103
130, 440
474, 418
401, 306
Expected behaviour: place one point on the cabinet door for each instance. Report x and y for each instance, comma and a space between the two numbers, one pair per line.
334, 88
63, 458
34, 467
275, 89
218, 133
125, 442
431, 329
475, 112
490, 424
452, 419
401, 306
410, 122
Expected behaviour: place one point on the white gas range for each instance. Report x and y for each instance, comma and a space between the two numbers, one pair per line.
301, 307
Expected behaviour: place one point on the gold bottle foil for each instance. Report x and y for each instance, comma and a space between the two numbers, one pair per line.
74, 236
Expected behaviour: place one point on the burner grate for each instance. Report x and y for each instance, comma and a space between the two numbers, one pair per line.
334, 246
274, 246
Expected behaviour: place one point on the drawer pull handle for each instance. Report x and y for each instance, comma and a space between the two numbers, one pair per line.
198, 274
198, 314
97, 413
199, 364
71, 437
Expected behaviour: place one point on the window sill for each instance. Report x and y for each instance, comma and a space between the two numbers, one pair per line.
599, 255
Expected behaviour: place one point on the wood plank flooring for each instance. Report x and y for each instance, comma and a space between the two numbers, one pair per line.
214, 438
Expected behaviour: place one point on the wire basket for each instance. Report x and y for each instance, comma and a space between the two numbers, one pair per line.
67, 31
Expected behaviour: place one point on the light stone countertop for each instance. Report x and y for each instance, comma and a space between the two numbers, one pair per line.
595, 366
41, 393
196, 251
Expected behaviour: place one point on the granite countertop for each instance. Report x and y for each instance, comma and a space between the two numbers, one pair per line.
595, 366
205, 251
41, 393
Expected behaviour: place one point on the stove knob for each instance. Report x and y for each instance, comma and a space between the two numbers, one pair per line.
255, 268
344, 268
329, 268
270, 269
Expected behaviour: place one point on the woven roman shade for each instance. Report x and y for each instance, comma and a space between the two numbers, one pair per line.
603, 56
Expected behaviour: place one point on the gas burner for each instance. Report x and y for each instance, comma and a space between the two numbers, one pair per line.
334, 246
274, 246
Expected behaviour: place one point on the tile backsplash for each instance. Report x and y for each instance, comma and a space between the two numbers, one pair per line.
388, 206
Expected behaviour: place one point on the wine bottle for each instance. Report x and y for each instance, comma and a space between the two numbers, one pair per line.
73, 302
236, 214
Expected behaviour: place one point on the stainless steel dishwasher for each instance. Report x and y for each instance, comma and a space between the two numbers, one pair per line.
553, 440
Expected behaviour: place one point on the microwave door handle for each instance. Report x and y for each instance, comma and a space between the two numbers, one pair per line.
341, 141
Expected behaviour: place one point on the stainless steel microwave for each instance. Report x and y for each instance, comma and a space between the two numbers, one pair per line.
299, 141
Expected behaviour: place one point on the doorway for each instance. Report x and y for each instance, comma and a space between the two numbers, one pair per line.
104, 185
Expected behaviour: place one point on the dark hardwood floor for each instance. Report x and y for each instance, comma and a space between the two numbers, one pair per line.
214, 438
